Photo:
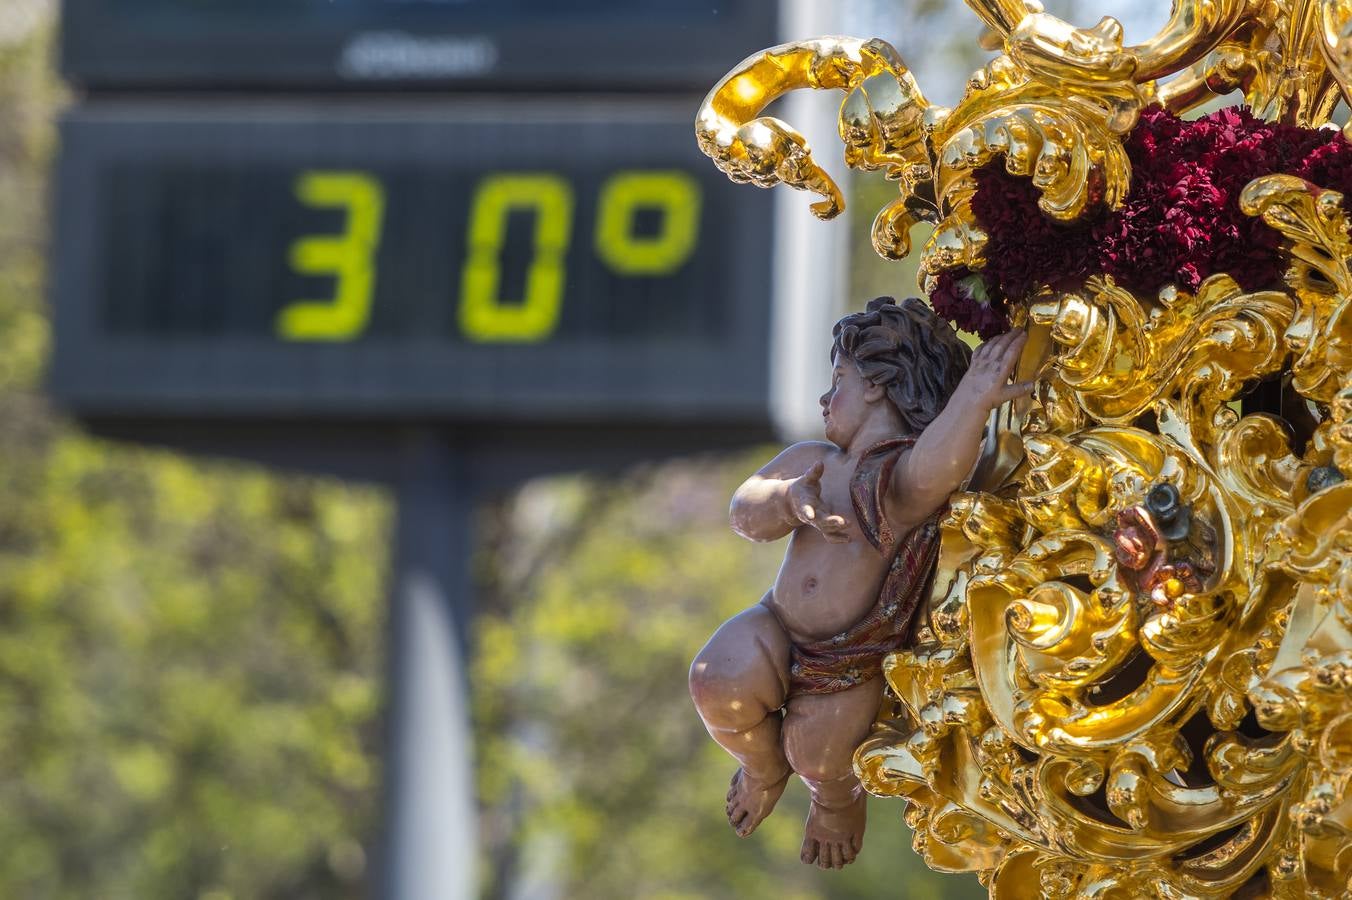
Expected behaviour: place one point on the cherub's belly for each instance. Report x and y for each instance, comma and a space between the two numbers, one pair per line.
824, 588
820, 594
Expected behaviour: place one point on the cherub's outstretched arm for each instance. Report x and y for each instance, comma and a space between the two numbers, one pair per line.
784, 494
948, 448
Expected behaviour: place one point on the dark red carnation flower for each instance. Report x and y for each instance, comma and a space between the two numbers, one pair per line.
1179, 224
1330, 166
1025, 248
963, 297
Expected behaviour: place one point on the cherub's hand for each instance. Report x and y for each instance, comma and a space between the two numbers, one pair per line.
987, 378
805, 502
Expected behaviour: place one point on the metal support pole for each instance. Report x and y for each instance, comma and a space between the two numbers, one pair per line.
810, 257
431, 825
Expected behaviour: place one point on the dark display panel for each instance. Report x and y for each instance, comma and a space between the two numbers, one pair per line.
615, 45
514, 262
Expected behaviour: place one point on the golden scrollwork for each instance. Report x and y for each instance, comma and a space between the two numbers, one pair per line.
1122, 355
1054, 105
880, 118
1136, 674
1315, 227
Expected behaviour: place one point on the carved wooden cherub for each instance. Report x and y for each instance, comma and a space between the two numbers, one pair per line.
791, 684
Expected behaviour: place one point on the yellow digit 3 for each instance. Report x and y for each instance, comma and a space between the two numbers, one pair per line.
348, 257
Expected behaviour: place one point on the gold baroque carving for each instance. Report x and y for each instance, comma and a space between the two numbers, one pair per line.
1097, 708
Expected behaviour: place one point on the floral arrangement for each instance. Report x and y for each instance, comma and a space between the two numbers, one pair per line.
1179, 224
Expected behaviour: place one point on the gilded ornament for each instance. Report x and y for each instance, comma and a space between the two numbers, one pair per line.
1135, 676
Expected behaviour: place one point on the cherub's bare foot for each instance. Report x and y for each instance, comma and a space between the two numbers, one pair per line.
750, 800
832, 838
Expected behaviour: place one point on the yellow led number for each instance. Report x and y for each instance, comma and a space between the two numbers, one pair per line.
675, 195
348, 257
485, 316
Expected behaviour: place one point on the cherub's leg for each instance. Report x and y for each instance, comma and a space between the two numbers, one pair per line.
821, 732
738, 682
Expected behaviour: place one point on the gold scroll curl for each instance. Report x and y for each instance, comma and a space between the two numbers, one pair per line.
880, 123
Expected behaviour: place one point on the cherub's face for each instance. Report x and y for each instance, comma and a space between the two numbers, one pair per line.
846, 406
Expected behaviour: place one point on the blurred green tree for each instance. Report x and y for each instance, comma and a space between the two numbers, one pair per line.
190, 658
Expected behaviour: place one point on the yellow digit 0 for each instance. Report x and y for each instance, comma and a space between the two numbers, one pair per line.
484, 316
675, 194
348, 257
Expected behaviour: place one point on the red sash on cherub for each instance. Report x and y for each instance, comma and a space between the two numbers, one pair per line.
855, 655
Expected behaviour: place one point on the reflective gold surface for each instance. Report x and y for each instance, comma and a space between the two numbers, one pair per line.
1137, 675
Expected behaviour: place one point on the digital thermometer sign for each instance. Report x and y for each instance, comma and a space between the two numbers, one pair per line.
446, 245
504, 261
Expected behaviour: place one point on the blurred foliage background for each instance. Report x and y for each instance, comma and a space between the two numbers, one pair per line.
191, 652
191, 659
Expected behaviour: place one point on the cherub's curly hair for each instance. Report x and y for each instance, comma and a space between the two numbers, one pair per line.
907, 349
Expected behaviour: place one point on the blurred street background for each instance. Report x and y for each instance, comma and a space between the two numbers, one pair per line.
193, 658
